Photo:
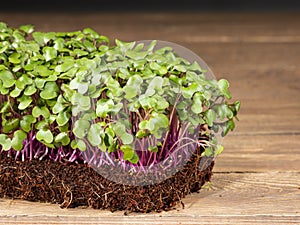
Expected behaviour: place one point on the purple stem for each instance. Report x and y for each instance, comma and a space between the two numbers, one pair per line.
46, 152
30, 146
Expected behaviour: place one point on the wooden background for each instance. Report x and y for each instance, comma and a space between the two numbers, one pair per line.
257, 178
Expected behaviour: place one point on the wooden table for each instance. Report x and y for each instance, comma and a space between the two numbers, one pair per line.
257, 179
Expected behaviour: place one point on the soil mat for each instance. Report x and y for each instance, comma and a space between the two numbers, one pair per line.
73, 185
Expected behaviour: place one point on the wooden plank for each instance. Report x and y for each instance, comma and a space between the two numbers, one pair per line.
234, 198
260, 153
262, 117
179, 27
259, 55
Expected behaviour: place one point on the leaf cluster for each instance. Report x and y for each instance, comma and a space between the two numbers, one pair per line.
34, 68
119, 95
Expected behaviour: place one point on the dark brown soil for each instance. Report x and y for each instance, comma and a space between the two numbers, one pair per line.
72, 185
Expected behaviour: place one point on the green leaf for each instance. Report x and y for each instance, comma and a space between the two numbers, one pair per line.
3, 91
15, 93
10, 125
49, 53
49, 36
23, 81
144, 124
105, 106
89, 115
80, 52
59, 44
4, 47
3, 27
210, 116
43, 124
60, 104
219, 150
189, 91
64, 128
154, 65
228, 126
81, 145
223, 86
67, 65
120, 130
14, 58
136, 55
40, 111
134, 159
158, 124
25, 101
42, 71
27, 28
39, 83
36, 59
128, 152
162, 70
89, 46
91, 32
82, 87
5, 142
30, 90
62, 138
130, 92
62, 118
155, 85
50, 91
80, 103
125, 46
114, 89
162, 103
7, 78
153, 149
209, 151
17, 141
44, 135
142, 133
126, 138
2, 67
132, 87
38, 37
223, 111
180, 68
158, 121
18, 37
26, 122
43, 38
5, 107
147, 102
31, 46
16, 68
94, 134
197, 104
81, 127
151, 46
237, 105
74, 144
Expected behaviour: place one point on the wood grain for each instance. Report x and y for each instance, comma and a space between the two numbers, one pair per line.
259, 153
234, 198
192, 27
257, 177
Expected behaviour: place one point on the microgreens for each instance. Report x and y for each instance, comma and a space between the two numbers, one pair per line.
70, 91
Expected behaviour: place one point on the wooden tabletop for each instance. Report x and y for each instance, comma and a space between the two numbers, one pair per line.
257, 178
